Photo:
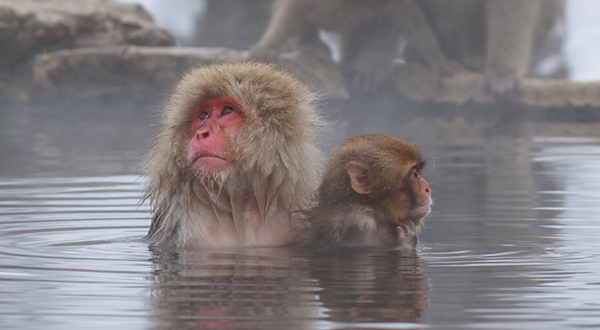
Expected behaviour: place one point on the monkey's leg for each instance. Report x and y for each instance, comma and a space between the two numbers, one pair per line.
510, 31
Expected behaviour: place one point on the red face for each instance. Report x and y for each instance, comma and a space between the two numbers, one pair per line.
420, 193
213, 121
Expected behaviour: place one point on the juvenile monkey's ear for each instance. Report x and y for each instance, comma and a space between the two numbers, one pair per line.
359, 177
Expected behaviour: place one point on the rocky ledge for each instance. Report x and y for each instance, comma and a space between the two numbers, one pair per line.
93, 47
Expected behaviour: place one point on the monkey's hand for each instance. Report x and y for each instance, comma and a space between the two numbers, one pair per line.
318, 49
407, 234
453, 68
504, 88
367, 75
449, 69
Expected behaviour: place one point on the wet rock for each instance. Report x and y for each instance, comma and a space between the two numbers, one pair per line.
29, 27
419, 84
89, 69
96, 69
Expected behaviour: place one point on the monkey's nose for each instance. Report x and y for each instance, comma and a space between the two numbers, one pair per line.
202, 134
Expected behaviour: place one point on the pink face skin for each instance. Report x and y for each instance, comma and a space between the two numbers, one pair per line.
420, 193
213, 121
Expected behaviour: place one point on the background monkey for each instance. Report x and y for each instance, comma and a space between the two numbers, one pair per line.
505, 39
370, 35
372, 195
237, 151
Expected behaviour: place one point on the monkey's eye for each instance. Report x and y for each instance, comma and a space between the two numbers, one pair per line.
415, 173
227, 110
203, 115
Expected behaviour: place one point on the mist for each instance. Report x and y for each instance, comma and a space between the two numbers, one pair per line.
511, 242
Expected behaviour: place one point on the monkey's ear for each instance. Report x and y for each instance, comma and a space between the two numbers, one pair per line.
359, 177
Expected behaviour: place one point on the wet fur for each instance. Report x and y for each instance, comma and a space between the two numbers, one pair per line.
342, 218
275, 159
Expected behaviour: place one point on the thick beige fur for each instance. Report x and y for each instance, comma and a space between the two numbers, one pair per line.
275, 161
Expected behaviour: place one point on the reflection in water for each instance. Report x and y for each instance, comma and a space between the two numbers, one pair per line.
368, 288
256, 288
73, 140
281, 288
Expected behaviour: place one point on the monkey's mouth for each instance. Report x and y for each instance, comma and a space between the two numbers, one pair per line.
209, 163
419, 211
194, 156
208, 157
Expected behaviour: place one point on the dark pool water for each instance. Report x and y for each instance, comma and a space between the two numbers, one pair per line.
513, 241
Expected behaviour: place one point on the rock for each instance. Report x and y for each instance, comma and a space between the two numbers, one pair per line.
110, 66
29, 27
417, 83
91, 71
93, 68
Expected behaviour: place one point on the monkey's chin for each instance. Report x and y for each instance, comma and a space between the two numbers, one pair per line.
419, 212
210, 165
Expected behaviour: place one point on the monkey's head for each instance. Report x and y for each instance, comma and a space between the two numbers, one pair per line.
382, 173
247, 119
217, 114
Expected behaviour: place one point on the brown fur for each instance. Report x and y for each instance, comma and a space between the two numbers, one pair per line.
274, 166
345, 216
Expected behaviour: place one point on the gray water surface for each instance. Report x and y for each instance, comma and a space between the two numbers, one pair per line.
513, 241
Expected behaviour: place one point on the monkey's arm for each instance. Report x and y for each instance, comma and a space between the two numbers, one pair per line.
283, 24
511, 27
420, 35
